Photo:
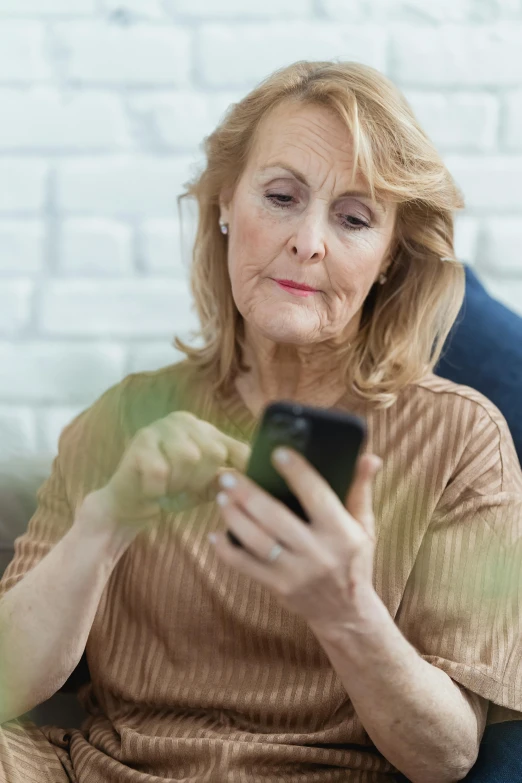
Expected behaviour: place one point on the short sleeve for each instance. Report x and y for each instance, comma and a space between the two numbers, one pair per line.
462, 606
89, 449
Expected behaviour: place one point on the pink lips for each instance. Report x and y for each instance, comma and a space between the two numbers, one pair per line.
295, 288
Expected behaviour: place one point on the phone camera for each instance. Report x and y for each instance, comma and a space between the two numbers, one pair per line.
289, 430
300, 425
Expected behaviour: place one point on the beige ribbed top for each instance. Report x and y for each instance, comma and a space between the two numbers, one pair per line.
198, 673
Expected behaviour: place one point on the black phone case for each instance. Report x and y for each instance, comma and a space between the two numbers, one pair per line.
331, 444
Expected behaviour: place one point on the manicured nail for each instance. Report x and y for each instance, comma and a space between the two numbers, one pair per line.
222, 498
227, 480
282, 456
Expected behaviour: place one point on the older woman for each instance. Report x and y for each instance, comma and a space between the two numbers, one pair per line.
372, 641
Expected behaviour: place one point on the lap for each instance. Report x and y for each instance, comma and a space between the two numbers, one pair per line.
27, 756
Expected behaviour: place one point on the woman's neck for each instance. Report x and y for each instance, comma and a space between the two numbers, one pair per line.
280, 372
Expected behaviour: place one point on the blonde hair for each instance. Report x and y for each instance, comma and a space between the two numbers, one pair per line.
404, 322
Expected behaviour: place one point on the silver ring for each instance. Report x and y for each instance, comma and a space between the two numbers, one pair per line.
275, 552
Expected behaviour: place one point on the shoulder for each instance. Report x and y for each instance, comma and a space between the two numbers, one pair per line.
473, 426
130, 403
91, 445
442, 392
151, 395
135, 401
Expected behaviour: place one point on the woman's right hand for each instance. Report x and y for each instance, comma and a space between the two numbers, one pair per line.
173, 463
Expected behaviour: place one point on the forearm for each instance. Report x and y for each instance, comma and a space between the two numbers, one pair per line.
46, 618
414, 713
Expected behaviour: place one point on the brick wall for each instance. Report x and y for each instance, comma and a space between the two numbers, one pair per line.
103, 106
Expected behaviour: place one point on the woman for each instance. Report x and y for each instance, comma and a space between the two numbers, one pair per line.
371, 642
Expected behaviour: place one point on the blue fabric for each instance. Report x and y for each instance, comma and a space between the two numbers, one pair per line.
500, 756
484, 351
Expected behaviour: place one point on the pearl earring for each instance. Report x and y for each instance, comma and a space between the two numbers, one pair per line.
223, 227
382, 279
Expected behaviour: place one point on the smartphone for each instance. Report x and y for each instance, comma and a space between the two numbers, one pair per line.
329, 439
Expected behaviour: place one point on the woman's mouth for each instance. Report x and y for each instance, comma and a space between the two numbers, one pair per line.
297, 289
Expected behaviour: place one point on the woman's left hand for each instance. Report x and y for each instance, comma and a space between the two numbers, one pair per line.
324, 572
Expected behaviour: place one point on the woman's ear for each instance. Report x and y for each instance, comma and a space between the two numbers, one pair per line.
224, 205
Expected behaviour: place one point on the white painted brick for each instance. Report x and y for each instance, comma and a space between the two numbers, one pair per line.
149, 356
420, 11
219, 101
356, 11
165, 115
161, 244
509, 292
46, 119
15, 305
21, 246
95, 247
485, 55
466, 237
488, 182
500, 250
141, 54
46, 7
273, 9
52, 421
513, 128
22, 52
242, 54
126, 308
123, 186
458, 122
48, 372
22, 185
18, 433
146, 9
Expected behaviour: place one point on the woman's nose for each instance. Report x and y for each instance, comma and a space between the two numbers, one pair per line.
308, 240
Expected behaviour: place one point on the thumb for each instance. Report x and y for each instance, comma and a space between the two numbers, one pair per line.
238, 454
359, 501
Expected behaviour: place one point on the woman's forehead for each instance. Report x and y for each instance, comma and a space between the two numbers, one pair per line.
306, 128
304, 142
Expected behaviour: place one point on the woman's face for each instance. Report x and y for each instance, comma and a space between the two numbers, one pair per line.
293, 216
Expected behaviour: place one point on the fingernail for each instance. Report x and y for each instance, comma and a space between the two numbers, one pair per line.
222, 498
227, 480
282, 456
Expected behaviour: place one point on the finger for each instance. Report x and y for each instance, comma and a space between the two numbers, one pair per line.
312, 490
179, 502
150, 468
193, 463
252, 536
270, 514
253, 568
183, 456
238, 453
359, 500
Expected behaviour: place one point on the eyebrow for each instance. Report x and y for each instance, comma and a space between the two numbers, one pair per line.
301, 178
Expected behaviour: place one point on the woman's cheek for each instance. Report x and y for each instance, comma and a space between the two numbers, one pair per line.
259, 236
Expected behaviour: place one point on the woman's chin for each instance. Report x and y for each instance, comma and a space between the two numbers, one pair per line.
286, 332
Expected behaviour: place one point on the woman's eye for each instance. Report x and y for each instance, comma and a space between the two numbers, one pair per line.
353, 226
284, 200
280, 199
